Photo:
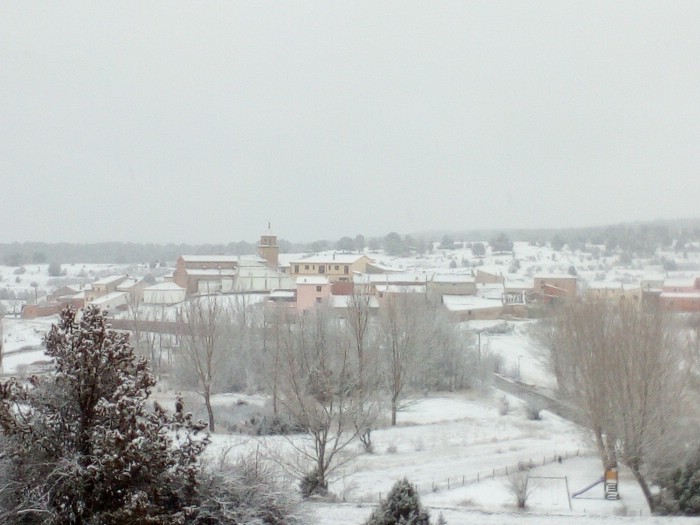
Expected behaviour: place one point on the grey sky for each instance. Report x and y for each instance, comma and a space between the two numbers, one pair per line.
201, 122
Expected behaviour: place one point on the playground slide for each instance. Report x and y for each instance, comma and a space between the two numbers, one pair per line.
589, 487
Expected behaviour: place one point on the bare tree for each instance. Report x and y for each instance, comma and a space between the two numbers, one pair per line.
402, 332
363, 340
648, 387
149, 333
581, 350
445, 356
319, 391
622, 365
203, 345
275, 331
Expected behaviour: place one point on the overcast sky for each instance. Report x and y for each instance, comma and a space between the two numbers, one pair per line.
201, 122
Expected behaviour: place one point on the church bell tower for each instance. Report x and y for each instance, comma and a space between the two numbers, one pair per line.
268, 249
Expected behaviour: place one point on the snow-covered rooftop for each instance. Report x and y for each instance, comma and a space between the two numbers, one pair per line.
512, 284
224, 272
680, 282
109, 280
456, 303
400, 277
282, 294
452, 278
211, 258
127, 284
331, 258
681, 295
112, 296
165, 286
401, 288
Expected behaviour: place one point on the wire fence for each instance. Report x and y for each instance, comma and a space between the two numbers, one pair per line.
462, 480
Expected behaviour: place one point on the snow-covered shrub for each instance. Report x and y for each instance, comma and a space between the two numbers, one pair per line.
402, 506
533, 410
519, 485
243, 491
273, 425
311, 484
503, 406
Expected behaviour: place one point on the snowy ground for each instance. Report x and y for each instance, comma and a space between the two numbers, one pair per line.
445, 444
441, 441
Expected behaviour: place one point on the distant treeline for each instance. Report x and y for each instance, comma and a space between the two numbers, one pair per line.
641, 239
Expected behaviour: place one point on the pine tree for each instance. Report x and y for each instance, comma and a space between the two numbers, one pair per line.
80, 445
402, 506
680, 490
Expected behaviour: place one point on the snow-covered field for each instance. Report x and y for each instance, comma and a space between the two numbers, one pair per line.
443, 443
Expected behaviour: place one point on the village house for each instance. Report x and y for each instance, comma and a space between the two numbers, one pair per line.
451, 284
133, 287
468, 307
312, 290
680, 294
335, 266
381, 285
205, 274
488, 276
107, 284
550, 288
165, 293
256, 276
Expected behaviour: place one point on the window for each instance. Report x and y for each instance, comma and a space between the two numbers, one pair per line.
296, 268
318, 300
306, 267
318, 288
321, 268
347, 269
337, 267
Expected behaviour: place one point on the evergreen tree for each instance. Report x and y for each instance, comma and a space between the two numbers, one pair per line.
680, 491
80, 445
402, 506
478, 249
501, 243
54, 269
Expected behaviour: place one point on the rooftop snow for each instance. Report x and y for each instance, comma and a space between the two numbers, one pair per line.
455, 303
109, 297
109, 280
166, 286
225, 272
331, 258
210, 258
452, 278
